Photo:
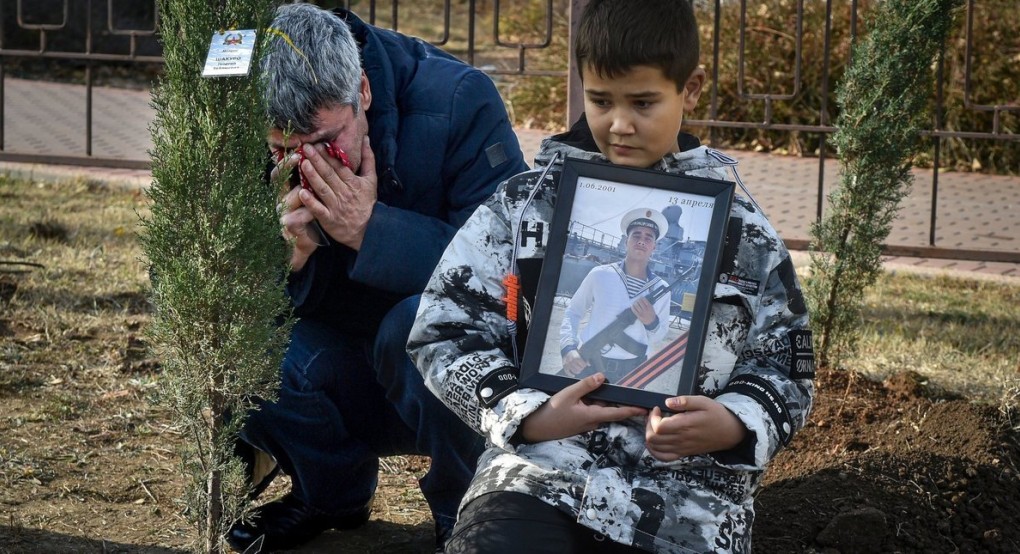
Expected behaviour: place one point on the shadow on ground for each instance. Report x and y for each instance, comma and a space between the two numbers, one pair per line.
376, 537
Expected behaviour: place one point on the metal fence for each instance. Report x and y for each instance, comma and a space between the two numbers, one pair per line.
823, 126
91, 34
68, 31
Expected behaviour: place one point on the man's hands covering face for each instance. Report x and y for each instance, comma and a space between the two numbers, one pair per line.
342, 202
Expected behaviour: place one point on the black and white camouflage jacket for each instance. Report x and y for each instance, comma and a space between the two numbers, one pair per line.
757, 362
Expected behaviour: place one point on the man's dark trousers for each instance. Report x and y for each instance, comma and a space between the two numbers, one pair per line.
346, 400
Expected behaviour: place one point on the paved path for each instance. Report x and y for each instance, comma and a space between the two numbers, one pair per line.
976, 212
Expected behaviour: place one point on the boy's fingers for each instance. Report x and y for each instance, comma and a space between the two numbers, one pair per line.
680, 403
576, 391
620, 413
654, 419
586, 385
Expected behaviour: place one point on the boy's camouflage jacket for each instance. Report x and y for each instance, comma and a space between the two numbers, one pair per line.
757, 362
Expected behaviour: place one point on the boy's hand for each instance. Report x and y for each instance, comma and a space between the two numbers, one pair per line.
345, 200
567, 413
701, 425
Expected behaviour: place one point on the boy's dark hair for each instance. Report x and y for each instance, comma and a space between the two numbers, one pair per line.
614, 36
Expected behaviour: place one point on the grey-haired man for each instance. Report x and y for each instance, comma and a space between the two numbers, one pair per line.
397, 143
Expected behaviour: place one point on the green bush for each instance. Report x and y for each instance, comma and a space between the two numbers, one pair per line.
212, 241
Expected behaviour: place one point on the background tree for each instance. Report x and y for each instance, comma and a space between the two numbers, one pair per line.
882, 100
215, 252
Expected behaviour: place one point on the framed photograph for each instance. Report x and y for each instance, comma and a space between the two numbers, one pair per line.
627, 281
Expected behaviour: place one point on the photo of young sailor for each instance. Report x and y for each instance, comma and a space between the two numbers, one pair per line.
624, 306
625, 285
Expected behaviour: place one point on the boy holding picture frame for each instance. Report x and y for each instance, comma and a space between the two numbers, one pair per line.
563, 472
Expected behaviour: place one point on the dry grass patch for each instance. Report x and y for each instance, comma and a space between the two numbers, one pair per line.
958, 333
87, 461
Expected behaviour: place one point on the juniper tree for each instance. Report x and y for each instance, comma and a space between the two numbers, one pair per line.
882, 100
215, 253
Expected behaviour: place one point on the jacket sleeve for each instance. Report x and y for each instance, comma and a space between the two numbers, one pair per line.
460, 340
401, 247
771, 386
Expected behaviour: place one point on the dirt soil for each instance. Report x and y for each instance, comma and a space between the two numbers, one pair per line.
893, 467
88, 463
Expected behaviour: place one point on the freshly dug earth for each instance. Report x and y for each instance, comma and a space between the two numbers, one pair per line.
893, 467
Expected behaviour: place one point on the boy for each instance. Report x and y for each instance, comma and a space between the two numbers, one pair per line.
564, 475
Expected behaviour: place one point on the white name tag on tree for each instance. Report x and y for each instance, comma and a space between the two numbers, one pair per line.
230, 53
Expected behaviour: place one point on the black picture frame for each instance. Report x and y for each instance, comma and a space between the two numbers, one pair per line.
593, 199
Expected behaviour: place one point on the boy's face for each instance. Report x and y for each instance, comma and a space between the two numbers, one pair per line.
635, 117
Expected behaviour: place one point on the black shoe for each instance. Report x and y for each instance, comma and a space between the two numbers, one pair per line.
288, 523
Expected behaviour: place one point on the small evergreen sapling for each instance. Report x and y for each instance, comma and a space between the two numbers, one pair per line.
216, 256
882, 100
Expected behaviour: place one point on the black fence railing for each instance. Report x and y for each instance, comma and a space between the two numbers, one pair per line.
823, 127
68, 31
92, 35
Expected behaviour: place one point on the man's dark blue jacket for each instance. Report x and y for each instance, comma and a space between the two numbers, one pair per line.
442, 143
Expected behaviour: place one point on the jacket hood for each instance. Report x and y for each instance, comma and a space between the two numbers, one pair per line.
578, 142
390, 61
384, 82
